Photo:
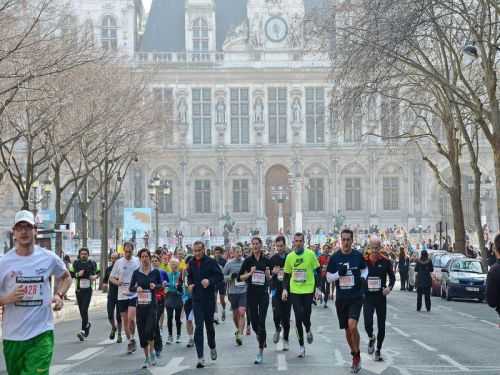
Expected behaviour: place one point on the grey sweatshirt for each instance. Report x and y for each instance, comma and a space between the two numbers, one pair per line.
234, 266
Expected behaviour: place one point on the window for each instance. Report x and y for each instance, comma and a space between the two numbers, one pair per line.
316, 194
202, 196
391, 193
315, 115
109, 33
353, 121
372, 108
202, 116
240, 196
200, 35
240, 124
277, 101
166, 203
353, 194
390, 118
164, 109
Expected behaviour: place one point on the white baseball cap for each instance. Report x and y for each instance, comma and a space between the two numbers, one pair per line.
24, 216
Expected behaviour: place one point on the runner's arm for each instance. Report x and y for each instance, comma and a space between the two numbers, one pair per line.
216, 276
133, 287
63, 283
286, 281
392, 276
114, 275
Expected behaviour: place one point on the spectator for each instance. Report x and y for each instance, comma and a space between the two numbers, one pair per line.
493, 280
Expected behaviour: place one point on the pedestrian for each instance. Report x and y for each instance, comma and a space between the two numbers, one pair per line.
203, 275
26, 297
112, 302
323, 260
145, 281
403, 267
187, 300
493, 280
423, 270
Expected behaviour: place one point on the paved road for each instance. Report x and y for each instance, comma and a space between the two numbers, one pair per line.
454, 338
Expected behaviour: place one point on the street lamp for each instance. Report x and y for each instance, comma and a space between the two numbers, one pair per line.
46, 189
280, 195
157, 188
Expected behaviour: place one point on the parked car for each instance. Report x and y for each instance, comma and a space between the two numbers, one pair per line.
413, 260
440, 261
463, 278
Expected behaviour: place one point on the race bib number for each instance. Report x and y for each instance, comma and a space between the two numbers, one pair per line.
281, 275
84, 283
374, 284
144, 297
124, 289
32, 288
258, 278
239, 284
299, 276
346, 282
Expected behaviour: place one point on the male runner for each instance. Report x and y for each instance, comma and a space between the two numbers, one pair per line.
281, 308
221, 288
113, 303
256, 271
237, 292
26, 298
127, 301
85, 273
347, 269
301, 276
324, 259
379, 267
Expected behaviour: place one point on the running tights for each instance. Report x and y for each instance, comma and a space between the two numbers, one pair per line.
258, 303
83, 297
170, 318
376, 304
302, 306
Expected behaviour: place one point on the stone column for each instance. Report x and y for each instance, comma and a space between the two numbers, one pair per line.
298, 204
184, 196
261, 193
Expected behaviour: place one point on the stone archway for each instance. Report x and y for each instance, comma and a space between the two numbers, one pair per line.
276, 176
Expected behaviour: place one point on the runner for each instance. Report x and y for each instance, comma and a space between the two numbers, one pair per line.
221, 288
379, 267
127, 301
25, 296
160, 303
237, 292
324, 259
188, 309
173, 302
347, 268
116, 325
85, 273
281, 308
255, 270
145, 281
301, 275
203, 275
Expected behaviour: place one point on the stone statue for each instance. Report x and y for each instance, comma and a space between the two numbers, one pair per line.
256, 32
297, 111
182, 111
259, 111
220, 109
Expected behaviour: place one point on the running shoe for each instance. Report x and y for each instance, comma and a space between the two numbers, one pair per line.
276, 337
81, 335
378, 357
134, 345
201, 363
130, 347
371, 345
356, 363
87, 329
286, 347
190, 343
152, 359
239, 342
223, 316
112, 334
178, 339
158, 354
310, 337
258, 359
170, 340
302, 352
119, 338
325, 306
213, 354
146, 363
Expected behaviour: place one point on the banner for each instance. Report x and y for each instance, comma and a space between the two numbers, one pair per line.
136, 222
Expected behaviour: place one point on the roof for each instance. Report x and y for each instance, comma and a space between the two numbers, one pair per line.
165, 27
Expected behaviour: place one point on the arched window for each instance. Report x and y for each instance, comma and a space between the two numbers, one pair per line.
372, 108
109, 33
200, 35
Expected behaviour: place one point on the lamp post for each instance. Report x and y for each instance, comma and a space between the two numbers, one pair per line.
485, 189
157, 189
46, 189
280, 195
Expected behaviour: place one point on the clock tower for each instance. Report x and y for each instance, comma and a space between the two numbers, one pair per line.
275, 24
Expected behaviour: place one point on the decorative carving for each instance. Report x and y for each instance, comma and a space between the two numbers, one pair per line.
256, 30
182, 110
296, 111
258, 111
220, 110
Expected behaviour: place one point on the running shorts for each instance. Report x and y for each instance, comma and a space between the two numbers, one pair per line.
221, 288
348, 309
188, 309
31, 356
124, 304
237, 300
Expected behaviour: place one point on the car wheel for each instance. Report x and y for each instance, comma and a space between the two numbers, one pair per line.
448, 298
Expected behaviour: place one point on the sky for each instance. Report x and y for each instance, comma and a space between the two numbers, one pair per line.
147, 4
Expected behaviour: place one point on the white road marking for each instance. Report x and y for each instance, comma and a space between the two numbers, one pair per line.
388, 324
401, 332
58, 369
425, 346
83, 354
395, 316
390, 307
324, 337
453, 362
466, 315
282, 365
106, 342
489, 323
402, 371
339, 361
172, 367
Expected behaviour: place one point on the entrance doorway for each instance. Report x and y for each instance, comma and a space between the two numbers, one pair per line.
278, 193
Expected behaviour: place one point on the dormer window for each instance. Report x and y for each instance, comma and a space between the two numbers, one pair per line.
200, 35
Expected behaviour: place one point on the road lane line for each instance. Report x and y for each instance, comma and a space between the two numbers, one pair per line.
282, 365
390, 307
83, 354
106, 342
489, 323
425, 346
339, 361
466, 315
453, 362
58, 369
388, 324
401, 332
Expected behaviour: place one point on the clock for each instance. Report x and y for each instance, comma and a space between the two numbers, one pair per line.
276, 29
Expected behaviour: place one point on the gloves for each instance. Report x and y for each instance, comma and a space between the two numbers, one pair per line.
343, 270
234, 276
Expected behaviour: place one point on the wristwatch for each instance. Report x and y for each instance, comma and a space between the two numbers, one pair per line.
61, 296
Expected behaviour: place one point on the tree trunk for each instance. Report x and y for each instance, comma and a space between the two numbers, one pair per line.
457, 208
59, 215
85, 224
477, 211
104, 244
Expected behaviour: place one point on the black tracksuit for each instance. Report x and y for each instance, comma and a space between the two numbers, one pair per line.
204, 299
404, 268
257, 296
84, 293
424, 283
375, 301
281, 309
493, 287
112, 299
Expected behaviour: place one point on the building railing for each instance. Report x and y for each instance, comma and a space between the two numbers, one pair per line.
180, 57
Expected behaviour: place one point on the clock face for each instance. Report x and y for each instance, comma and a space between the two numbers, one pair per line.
276, 29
